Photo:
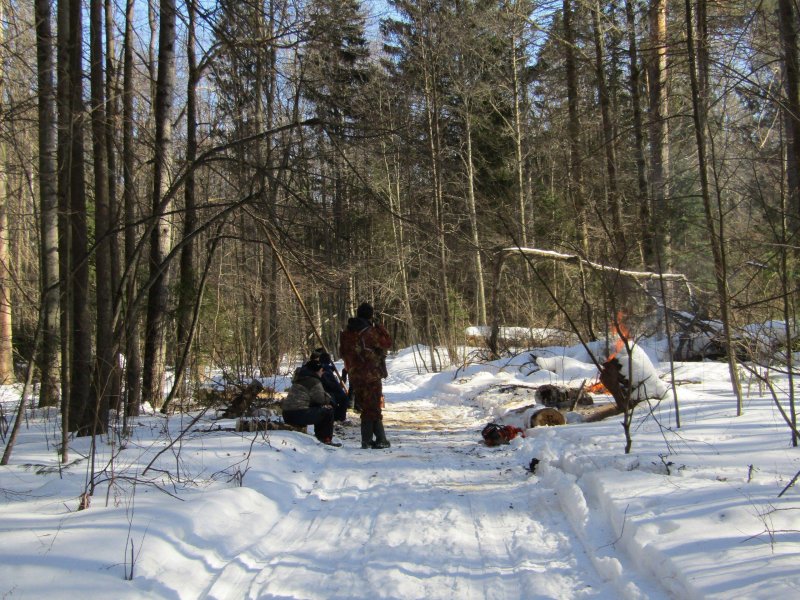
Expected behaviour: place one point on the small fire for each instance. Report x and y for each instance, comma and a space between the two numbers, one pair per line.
623, 335
596, 388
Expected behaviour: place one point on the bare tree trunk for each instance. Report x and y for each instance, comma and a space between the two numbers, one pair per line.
187, 287
133, 363
6, 334
104, 365
154, 346
612, 191
643, 198
261, 309
48, 198
64, 124
76, 351
787, 17
788, 20
391, 163
659, 131
434, 143
269, 326
517, 93
114, 214
575, 181
473, 220
716, 241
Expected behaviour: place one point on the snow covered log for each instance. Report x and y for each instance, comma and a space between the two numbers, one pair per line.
534, 415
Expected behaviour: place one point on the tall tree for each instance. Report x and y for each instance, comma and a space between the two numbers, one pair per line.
76, 351
471, 89
48, 201
6, 338
517, 20
788, 20
714, 222
187, 285
634, 84
133, 363
659, 132
575, 176
334, 75
609, 143
417, 46
161, 224
104, 361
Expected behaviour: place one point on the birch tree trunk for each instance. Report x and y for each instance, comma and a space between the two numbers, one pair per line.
154, 345
48, 200
480, 290
187, 286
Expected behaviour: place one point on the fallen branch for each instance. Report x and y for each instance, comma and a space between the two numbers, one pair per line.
637, 275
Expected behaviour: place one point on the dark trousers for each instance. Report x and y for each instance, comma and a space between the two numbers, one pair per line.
321, 418
340, 410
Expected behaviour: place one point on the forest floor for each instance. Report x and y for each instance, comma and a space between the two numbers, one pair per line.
692, 512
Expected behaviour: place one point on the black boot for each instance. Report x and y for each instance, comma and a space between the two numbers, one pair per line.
367, 429
380, 436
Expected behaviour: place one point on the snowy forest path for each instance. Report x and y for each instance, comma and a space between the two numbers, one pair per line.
436, 516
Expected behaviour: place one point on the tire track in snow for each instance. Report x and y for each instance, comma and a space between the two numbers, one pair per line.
436, 516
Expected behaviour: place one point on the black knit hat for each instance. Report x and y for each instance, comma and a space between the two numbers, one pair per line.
313, 365
365, 311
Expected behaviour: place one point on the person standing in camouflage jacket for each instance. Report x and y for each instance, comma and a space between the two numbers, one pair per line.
363, 346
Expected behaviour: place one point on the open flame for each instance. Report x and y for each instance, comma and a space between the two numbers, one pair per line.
596, 388
623, 335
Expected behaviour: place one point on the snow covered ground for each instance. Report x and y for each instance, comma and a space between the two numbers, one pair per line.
690, 513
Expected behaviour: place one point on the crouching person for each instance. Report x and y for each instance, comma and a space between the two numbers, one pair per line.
307, 403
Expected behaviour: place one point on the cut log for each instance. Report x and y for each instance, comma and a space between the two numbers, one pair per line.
546, 417
600, 413
559, 396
